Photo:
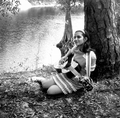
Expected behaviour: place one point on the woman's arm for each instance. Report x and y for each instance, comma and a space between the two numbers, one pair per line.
67, 54
70, 51
93, 61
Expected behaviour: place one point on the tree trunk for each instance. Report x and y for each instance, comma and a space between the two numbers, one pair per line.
101, 24
64, 44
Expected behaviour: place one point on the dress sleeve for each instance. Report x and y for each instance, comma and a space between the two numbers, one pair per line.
93, 60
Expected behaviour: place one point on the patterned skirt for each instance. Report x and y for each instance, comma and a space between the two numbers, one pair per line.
66, 82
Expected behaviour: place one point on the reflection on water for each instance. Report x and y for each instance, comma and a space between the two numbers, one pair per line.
28, 40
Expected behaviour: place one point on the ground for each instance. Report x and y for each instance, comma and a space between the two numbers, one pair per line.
23, 98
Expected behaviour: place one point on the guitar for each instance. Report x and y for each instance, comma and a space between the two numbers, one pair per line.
64, 67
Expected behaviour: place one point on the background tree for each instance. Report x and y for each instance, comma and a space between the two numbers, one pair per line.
101, 21
68, 33
67, 38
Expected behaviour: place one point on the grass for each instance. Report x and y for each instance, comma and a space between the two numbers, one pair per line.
21, 98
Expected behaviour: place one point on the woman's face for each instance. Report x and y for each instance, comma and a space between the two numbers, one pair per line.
78, 38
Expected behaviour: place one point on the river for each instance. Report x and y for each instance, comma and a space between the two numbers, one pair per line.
28, 40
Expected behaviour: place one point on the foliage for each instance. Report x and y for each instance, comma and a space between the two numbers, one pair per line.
9, 6
36, 2
72, 2
20, 98
12, 6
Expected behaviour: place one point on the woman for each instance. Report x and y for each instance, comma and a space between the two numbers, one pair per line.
66, 81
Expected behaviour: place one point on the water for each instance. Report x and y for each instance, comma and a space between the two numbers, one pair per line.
28, 40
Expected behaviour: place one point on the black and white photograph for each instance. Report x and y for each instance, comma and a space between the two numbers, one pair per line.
59, 58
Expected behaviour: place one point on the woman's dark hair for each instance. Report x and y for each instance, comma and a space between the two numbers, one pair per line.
86, 46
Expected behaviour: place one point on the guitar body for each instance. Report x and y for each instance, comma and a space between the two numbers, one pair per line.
67, 66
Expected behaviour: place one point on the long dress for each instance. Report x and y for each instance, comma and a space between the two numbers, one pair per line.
65, 80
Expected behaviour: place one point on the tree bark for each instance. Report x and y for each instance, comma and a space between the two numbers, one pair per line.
101, 24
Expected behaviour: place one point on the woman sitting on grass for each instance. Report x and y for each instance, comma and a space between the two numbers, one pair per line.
68, 80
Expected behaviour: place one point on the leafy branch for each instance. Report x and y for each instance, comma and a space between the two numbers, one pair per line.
9, 7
